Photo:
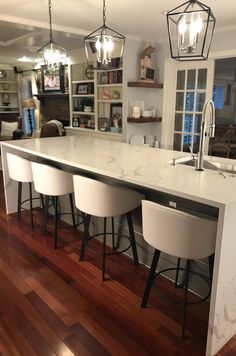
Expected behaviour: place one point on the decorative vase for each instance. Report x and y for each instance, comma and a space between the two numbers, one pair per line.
5, 99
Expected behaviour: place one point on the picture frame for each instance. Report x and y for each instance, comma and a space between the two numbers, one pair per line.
53, 82
82, 89
116, 116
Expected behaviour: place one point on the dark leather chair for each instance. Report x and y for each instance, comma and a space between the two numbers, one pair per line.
49, 130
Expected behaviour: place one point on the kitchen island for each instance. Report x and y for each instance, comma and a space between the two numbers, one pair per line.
148, 169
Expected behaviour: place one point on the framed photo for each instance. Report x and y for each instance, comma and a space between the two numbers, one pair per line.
116, 116
53, 82
82, 89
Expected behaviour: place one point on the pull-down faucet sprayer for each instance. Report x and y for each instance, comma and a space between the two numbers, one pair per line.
200, 155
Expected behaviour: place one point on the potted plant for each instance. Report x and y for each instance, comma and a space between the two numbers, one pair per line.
87, 104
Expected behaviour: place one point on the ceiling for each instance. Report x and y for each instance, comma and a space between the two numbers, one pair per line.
24, 23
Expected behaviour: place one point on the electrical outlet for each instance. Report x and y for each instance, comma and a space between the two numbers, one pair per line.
173, 204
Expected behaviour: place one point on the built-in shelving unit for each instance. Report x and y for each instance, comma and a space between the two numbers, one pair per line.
82, 99
97, 103
9, 96
145, 84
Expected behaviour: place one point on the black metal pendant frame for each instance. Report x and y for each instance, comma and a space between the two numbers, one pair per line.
173, 18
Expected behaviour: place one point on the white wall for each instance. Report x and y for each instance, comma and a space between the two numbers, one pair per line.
152, 97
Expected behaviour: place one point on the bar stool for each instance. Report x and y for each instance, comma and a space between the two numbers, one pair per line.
178, 234
53, 182
94, 198
20, 171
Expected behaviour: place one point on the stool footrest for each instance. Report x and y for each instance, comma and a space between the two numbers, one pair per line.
117, 252
200, 275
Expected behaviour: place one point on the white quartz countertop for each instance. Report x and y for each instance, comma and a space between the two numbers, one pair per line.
139, 165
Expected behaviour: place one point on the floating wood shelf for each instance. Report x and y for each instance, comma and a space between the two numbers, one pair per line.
144, 84
143, 120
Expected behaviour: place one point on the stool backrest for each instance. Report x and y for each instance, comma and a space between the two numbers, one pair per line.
19, 168
51, 181
103, 200
177, 233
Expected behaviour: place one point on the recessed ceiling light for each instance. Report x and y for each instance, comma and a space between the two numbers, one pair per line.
25, 59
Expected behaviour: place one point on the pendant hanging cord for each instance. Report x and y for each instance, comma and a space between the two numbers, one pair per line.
104, 12
50, 18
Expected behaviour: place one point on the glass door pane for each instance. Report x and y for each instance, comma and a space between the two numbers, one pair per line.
190, 98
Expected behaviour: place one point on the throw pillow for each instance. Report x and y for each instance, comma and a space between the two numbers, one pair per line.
7, 128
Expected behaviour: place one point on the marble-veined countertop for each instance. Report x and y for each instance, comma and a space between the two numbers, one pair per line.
140, 165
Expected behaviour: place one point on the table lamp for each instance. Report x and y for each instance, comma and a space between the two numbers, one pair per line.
29, 104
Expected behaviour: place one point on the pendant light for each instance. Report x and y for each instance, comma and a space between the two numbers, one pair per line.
105, 42
190, 29
51, 55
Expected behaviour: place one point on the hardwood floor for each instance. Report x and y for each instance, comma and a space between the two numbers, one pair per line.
52, 304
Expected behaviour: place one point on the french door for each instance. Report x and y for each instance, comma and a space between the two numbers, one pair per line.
187, 86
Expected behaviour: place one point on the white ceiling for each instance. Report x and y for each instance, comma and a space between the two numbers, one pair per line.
24, 23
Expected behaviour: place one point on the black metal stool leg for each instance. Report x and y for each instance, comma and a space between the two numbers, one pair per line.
177, 273
185, 299
42, 201
86, 220
113, 234
211, 260
150, 279
72, 210
55, 200
45, 218
31, 205
104, 250
19, 200
132, 239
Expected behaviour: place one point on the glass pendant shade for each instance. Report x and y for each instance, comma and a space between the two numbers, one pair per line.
103, 44
51, 55
190, 29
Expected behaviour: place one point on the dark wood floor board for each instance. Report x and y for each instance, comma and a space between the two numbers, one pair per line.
18, 340
14, 277
108, 334
60, 289
16, 261
32, 315
29, 333
78, 347
67, 317
52, 319
7, 348
19, 247
141, 323
58, 270
89, 340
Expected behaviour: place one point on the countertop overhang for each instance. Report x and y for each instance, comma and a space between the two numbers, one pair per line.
137, 165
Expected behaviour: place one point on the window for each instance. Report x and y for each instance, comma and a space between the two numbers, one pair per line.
218, 96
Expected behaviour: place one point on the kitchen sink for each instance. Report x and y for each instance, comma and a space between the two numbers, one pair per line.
216, 166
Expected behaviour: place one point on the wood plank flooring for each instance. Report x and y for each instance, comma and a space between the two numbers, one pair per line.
52, 304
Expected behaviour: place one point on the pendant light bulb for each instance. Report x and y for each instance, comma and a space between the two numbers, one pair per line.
51, 55
103, 42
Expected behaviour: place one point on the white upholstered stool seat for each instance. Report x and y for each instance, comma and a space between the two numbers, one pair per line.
178, 234
20, 170
52, 182
95, 198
